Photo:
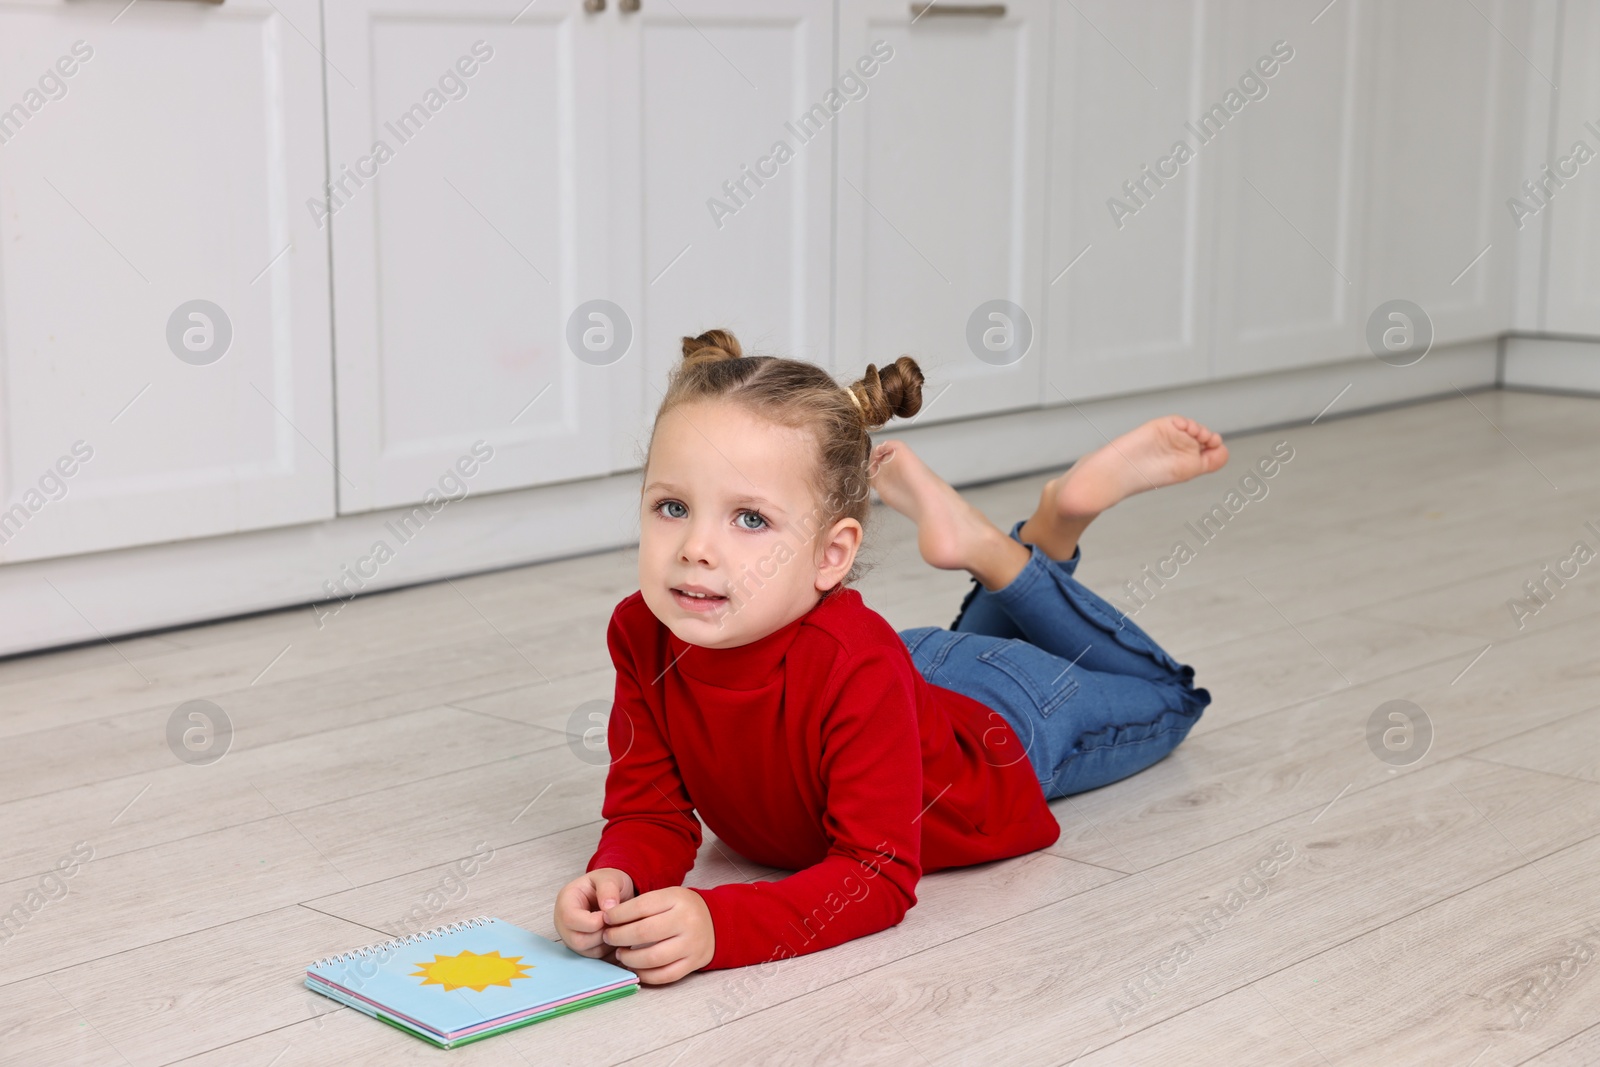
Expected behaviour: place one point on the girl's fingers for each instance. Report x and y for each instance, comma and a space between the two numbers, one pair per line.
590, 938
657, 956
580, 942
577, 917
664, 975
639, 907
579, 908
641, 931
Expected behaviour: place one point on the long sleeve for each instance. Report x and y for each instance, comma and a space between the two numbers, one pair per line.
651, 830
871, 771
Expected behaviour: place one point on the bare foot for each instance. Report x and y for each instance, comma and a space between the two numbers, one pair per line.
951, 533
1163, 451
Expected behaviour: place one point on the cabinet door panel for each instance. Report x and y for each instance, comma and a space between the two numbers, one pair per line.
940, 199
1572, 217
1128, 273
1447, 99
162, 170
1289, 264
468, 218
726, 230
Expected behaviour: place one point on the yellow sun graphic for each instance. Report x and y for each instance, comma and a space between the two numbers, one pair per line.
471, 970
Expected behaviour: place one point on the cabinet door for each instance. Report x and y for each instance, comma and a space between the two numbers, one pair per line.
940, 199
1129, 264
1447, 102
1571, 211
1291, 183
149, 161
719, 226
467, 208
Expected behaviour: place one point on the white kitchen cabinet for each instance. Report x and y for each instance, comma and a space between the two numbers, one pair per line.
167, 167
1292, 172
469, 223
1366, 167
1444, 141
1129, 260
721, 187
940, 198
1570, 193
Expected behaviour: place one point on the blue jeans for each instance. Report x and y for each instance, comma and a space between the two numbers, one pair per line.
1091, 697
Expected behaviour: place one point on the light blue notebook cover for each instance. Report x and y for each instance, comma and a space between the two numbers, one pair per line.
466, 977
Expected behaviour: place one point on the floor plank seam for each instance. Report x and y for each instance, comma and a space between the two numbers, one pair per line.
1086, 863
216, 697
1320, 805
269, 818
303, 681
341, 918
1377, 784
1558, 1044
336, 1007
1370, 681
527, 685
1410, 594
293, 740
503, 718
149, 944
1529, 770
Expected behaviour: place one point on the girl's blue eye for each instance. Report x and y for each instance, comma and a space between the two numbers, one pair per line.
666, 507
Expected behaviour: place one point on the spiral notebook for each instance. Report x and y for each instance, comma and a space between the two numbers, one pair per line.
468, 980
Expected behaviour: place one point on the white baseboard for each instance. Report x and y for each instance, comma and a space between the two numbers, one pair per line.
1562, 364
77, 599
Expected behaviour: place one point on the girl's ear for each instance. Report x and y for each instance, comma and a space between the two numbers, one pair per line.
837, 553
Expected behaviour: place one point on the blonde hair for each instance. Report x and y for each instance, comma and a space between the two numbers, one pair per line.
802, 396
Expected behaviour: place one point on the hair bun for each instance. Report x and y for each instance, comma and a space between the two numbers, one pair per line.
711, 346
896, 390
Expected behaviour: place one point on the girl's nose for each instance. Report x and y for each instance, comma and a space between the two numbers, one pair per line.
697, 546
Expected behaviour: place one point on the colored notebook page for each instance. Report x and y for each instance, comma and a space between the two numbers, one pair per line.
465, 978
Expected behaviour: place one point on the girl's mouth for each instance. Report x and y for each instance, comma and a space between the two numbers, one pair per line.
704, 603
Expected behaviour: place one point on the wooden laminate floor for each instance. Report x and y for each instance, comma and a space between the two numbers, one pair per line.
1413, 907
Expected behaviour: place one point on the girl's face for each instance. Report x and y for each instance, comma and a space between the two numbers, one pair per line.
727, 511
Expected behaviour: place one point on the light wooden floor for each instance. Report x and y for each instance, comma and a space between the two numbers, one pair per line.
1439, 912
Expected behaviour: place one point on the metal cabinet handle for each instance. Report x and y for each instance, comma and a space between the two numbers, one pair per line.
984, 11
627, 7
594, 7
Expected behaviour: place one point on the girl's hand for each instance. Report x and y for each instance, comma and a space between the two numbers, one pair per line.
663, 935
581, 907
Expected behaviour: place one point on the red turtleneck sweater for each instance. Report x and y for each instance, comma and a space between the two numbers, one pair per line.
820, 749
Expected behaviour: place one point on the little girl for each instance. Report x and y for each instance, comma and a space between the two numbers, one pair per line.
755, 688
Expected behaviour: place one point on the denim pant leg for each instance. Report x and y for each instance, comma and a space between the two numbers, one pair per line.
1091, 697
1048, 607
1080, 729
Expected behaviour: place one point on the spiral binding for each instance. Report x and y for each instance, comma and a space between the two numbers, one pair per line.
393, 944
